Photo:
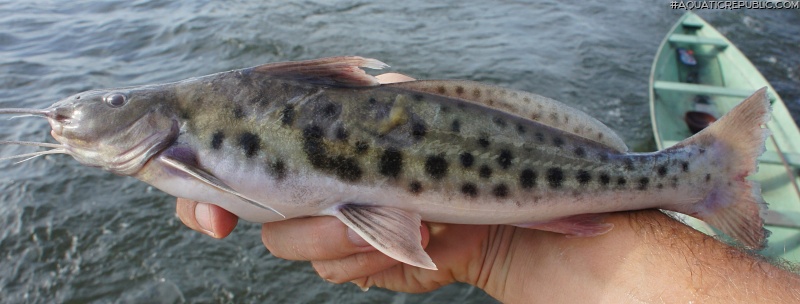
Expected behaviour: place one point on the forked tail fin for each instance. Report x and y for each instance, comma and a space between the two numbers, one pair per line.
735, 205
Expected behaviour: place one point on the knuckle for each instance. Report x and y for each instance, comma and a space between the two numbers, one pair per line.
328, 274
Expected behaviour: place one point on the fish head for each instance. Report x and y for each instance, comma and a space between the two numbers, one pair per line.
118, 130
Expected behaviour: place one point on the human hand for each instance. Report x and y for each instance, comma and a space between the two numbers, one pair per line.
647, 257
339, 255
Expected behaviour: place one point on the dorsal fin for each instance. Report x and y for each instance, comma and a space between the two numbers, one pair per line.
333, 71
527, 105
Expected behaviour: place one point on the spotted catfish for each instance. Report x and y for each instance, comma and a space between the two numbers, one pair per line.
321, 137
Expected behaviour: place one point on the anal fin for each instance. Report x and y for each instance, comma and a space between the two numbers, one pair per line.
581, 225
393, 231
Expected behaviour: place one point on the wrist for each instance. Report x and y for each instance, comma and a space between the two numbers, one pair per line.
642, 258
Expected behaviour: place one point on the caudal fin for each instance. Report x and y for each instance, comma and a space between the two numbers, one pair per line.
735, 205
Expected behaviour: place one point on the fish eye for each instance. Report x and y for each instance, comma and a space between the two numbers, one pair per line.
115, 100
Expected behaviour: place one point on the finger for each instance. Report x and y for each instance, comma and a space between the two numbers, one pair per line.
312, 238
206, 218
392, 78
360, 265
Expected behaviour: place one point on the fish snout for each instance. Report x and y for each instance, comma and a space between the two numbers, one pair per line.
59, 118
63, 114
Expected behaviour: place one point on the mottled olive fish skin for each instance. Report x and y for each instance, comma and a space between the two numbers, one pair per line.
321, 137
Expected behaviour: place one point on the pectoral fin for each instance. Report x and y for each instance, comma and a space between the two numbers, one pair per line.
392, 231
210, 180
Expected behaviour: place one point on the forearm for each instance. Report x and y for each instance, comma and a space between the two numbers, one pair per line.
647, 257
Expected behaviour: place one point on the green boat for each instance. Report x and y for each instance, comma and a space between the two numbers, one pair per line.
699, 75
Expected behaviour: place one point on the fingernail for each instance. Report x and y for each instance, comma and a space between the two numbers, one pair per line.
363, 288
356, 239
202, 214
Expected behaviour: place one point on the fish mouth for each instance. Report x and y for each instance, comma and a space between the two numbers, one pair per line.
125, 162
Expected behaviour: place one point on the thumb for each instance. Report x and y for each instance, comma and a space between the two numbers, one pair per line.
206, 218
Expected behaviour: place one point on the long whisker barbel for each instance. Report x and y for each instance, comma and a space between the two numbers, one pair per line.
29, 156
58, 149
30, 143
35, 112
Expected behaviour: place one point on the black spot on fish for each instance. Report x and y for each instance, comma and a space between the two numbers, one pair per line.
708, 177
436, 166
390, 163
555, 177
603, 156
238, 112
346, 168
418, 130
476, 93
312, 132
455, 126
216, 140
499, 122
372, 101
554, 116
415, 187
418, 97
441, 90
278, 169
342, 134
485, 171
459, 90
312, 146
483, 141
674, 182
466, 159
469, 189
527, 179
621, 181
558, 141
250, 143
343, 167
605, 179
520, 129
583, 177
662, 171
330, 110
361, 147
660, 186
500, 191
539, 137
629, 164
685, 166
643, 182
287, 115
505, 159
580, 152
445, 109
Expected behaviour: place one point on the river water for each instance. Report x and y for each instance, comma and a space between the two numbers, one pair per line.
73, 234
